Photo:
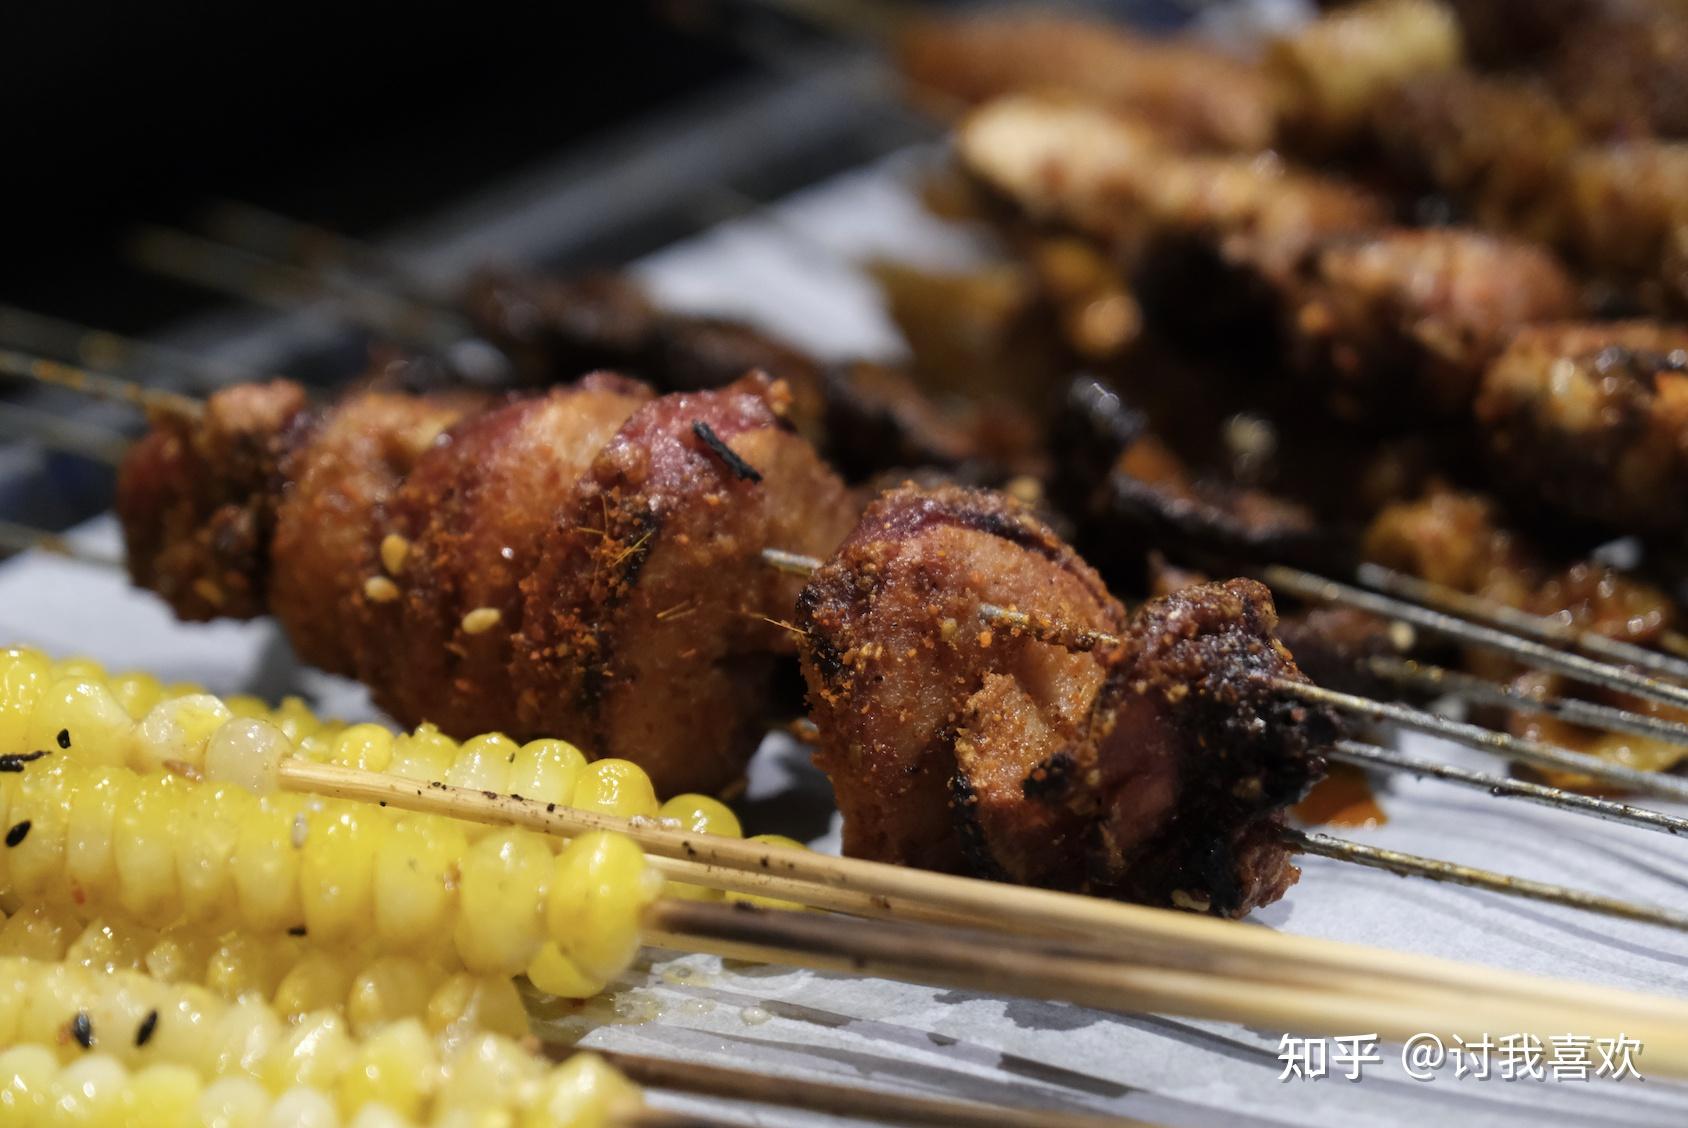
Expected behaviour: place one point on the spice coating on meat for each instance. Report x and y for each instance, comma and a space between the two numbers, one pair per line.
1592, 421
894, 651
650, 624
473, 512
196, 498
1404, 322
1194, 92
1195, 755
959, 746
339, 476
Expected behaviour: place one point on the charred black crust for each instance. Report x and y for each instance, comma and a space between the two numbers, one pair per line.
741, 469
640, 527
1050, 780
963, 805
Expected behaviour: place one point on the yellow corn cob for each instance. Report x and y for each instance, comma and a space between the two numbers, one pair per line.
102, 840
288, 972
96, 1048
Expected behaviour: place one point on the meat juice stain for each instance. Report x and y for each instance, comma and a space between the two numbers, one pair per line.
1343, 798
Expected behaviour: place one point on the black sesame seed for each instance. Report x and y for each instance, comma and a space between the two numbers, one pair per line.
64, 738
82, 1030
17, 833
296, 930
148, 1025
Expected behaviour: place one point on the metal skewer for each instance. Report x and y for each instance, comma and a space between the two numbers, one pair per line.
1306, 585
1502, 787
44, 371
1470, 687
105, 351
1413, 865
54, 432
1539, 627
1486, 740
22, 538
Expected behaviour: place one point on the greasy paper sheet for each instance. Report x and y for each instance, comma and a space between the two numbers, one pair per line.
793, 272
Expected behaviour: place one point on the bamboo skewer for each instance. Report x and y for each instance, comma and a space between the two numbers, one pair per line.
104, 351
56, 433
21, 538
840, 1100
1173, 938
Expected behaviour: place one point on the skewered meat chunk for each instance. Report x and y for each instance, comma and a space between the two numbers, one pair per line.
196, 500
650, 623
1405, 321
1193, 91
1457, 540
1626, 209
1591, 420
1622, 76
584, 562
472, 513
1497, 146
1329, 74
1154, 773
341, 469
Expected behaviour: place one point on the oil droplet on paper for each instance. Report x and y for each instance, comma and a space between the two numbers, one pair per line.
753, 1016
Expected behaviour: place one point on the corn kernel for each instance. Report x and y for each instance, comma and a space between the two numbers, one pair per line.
546, 771
35, 835
144, 849
389, 989
206, 841
90, 857
294, 718
365, 746
483, 764
423, 755
233, 1102
555, 974
615, 787
106, 948
89, 1091
38, 933
137, 693
247, 752
466, 1002
416, 880
176, 731
245, 705
600, 882
303, 1107
317, 982
701, 814
179, 955
84, 713
161, 1094
502, 897
79, 666
26, 1082
266, 867
337, 870
24, 674
314, 1052
583, 1092
482, 1071
388, 1070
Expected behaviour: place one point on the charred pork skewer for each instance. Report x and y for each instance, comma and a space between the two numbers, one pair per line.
552, 564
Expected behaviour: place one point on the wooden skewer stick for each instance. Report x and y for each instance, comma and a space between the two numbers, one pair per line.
1174, 938
1024, 967
1529, 651
1538, 627
1502, 787
44, 371
1533, 752
838, 1100
1470, 687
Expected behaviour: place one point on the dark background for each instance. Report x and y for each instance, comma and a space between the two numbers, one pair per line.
354, 115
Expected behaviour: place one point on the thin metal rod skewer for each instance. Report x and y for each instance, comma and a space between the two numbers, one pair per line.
80, 380
1486, 740
1538, 627
1470, 687
1319, 589
253, 277
22, 538
55, 432
1502, 787
103, 350
310, 246
1413, 865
